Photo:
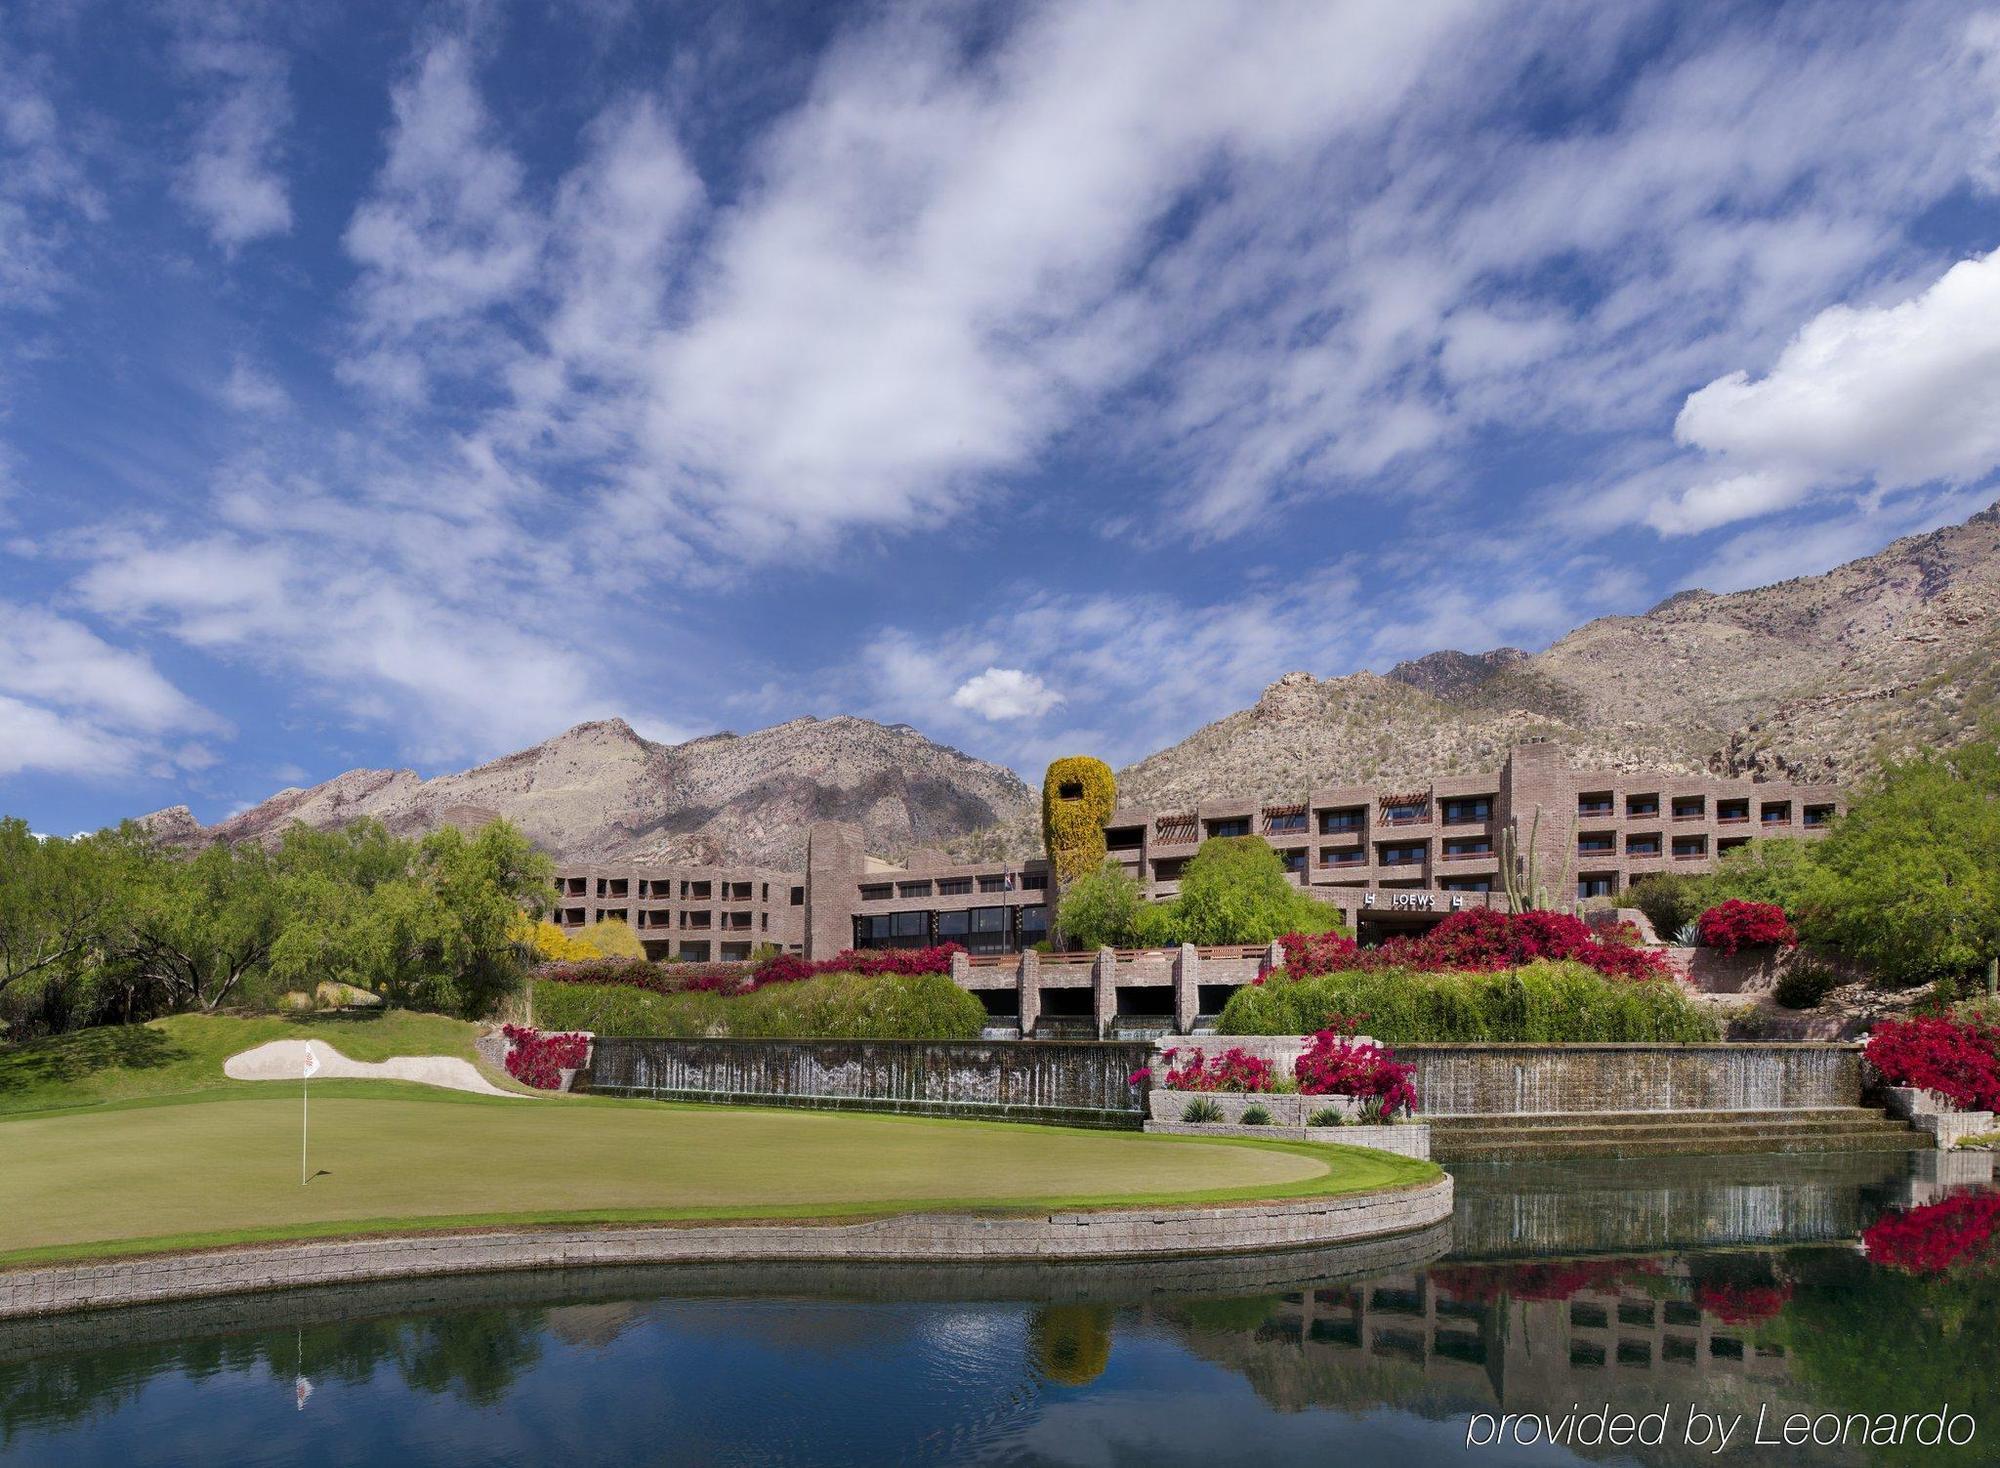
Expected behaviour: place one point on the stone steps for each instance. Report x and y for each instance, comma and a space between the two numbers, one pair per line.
1668, 1133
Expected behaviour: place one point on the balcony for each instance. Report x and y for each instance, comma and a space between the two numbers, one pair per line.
1355, 858
1176, 831
1405, 816
1599, 810
1484, 853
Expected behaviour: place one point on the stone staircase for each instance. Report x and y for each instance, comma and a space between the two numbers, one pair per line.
1524, 1138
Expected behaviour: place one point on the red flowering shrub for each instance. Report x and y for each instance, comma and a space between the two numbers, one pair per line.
787, 968
1622, 934
1334, 1065
1738, 924
660, 978
1480, 940
1936, 1237
536, 1059
1558, 1280
1235, 1069
784, 968
1307, 954
1958, 1059
1742, 1304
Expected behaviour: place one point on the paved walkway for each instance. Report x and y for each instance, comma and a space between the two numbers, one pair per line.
284, 1060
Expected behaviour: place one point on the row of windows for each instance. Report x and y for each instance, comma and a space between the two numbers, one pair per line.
662, 889
955, 886
977, 929
1600, 804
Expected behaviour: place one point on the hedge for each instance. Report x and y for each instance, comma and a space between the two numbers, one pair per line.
1539, 1003
830, 1007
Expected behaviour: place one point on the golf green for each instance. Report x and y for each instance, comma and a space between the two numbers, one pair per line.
89, 1183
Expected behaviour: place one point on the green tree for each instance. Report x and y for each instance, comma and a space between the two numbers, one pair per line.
1785, 872
1909, 879
56, 902
1101, 909
1235, 890
199, 927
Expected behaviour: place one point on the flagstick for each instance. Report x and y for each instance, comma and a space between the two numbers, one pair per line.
305, 1118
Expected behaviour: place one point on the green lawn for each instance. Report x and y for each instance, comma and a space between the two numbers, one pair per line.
175, 1056
166, 1175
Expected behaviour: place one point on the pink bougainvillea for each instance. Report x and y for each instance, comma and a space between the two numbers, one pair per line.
1742, 1304
1936, 1237
537, 1060
1235, 1069
1737, 924
1957, 1059
1479, 940
1335, 1065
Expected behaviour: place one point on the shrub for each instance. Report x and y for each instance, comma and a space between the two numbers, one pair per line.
1669, 900
1479, 940
1334, 1065
537, 1060
1327, 1116
658, 978
1255, 1116
1805, 982
1736, 924
1935, 1237
1201, 1110
1235, 1069
824, 1007
1234, 890
1078, 796
1957, 1060
1540, 1003
789, 968
1101, 909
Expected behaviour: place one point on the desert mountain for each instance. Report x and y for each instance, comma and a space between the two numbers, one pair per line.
600, 791
1816, 678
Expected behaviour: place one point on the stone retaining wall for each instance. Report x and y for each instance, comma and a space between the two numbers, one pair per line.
928, 1237
1512, 1080
1406, 1139
1082, 1084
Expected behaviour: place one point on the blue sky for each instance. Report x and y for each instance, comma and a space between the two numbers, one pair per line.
390, 385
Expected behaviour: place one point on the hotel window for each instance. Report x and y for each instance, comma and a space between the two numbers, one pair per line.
1403, 813
1124, 838
614, 915
1350, 857
1003, 883
1034, 881
694, 889
1689, 807
1464, 850
913, 889
1467, 884
1776, 812
1232, 826
1596, 842
1688, 846
876, 891
1333, 822
695, 951
1295, 860
1818, 815
798, 897
1728, 812
954, 886
1034, 925
893, 930
575, 886
1285, 822
1648, 845
572, 917
1403, 856
1169, 870
1638, 807
1597, 803
1599, 886
979, 929
1468, 812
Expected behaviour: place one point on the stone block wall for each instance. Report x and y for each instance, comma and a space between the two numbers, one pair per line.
1481, 1080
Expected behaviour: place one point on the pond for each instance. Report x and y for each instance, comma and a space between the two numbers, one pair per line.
1707, 1289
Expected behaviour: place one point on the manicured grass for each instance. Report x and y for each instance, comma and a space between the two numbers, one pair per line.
131, 1178
185, 1053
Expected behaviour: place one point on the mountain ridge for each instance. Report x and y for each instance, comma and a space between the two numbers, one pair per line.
1815, 678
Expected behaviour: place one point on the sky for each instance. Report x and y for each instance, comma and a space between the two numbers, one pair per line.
397, 385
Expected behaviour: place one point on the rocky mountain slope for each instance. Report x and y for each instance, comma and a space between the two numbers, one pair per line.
1815, 678
599, 792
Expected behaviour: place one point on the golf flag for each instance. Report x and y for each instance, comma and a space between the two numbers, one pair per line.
312, 1062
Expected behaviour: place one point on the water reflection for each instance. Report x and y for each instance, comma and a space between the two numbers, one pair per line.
1873, 1287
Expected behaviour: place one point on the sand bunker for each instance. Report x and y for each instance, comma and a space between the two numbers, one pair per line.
284, 1060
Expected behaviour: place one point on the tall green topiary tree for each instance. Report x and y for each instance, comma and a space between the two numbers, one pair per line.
1078, 796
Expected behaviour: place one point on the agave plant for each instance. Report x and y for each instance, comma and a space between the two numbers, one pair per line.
1689, 934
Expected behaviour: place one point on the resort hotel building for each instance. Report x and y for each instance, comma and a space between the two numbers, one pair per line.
1393, 859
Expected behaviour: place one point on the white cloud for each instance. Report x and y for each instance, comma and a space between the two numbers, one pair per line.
71, 703
1895, 396
231, 179
45, 189
249, 389
1006, 693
